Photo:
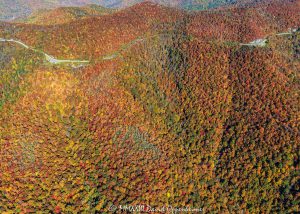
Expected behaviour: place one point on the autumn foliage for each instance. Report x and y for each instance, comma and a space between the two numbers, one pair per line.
184, 116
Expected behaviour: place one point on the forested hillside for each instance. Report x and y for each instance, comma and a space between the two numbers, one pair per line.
102, 35
173, 109
15, 9
64, 15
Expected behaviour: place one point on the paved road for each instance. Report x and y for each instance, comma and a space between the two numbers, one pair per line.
256, 43
49, 58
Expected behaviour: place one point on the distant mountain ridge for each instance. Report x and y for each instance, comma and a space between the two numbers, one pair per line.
99, 35
63, 15
12, 9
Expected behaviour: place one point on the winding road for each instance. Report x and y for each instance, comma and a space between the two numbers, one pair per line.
256, 43
48, 57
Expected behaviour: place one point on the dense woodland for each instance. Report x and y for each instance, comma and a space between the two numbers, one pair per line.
64, 15
183, 116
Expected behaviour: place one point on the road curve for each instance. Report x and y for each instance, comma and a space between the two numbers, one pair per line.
48, 57
256, 43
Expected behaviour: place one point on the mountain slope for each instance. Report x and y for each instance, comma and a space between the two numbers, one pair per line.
247, 23
64, 14
174, 121
117, 29
94, 36
11, 9
184, 116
